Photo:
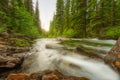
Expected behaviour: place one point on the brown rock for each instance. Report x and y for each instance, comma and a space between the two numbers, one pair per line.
83, 78
113, 57
2, 59
1, 38
118, 55
44, 75
3, 48
58, 74
75, 78
12, 49
8, 62
4, 34
50, 77
117, 63
39, 75
19, 76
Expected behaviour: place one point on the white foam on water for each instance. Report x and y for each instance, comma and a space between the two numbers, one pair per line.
99, 70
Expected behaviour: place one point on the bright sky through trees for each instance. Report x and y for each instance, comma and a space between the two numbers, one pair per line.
47, 10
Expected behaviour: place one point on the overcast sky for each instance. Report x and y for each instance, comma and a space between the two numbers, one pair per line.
47, 9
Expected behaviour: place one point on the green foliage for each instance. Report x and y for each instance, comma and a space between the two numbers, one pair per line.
20, 42
37, 18
23, 23
113, 32
59, 17
74, 43
2, 29
86, 18
69, 33
4, 21
18, 18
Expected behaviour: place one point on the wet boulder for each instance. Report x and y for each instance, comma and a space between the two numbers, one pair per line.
44, 75
3, 48
10, 62
12, 49
19, 76
7, 49
4, 34
54, 46
113, 57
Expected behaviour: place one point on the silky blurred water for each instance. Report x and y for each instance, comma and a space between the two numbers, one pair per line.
68, 62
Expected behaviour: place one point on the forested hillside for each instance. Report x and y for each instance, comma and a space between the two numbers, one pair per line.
86, 18
18, 18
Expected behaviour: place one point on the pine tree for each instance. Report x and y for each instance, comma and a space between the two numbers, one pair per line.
67, 15
117, 12
79, 14
87, 18
4, 15
84, 17
113, 13
37, 17
29, 6
59, 16
4, 5
53, 29
16, 18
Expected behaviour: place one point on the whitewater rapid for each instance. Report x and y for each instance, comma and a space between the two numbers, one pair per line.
67, 62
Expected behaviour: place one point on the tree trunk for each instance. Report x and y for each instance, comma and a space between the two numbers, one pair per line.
113, 57
85, 18
113, 14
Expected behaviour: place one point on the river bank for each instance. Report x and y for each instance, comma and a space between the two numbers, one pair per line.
12, 53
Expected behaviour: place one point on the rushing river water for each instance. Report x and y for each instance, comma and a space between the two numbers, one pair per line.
41, 58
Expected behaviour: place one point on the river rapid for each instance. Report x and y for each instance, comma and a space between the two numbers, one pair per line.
68, 62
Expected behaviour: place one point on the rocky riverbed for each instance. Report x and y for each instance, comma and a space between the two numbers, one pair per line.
43, 75
48, 56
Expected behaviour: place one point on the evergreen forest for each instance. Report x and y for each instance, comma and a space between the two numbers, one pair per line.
86, 18
19, 18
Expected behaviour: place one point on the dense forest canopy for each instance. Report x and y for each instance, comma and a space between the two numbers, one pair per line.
18, 17
86, 18
73, 18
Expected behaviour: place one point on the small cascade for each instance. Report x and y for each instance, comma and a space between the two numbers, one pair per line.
67, 62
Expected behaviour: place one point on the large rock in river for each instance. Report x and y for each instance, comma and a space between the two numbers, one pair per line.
113, 57
54, 46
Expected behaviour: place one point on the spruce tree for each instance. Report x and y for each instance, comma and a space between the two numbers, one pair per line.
59, 16
67, 15
29, 6
37, 17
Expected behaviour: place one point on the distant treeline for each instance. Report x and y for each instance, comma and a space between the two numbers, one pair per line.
86, 18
